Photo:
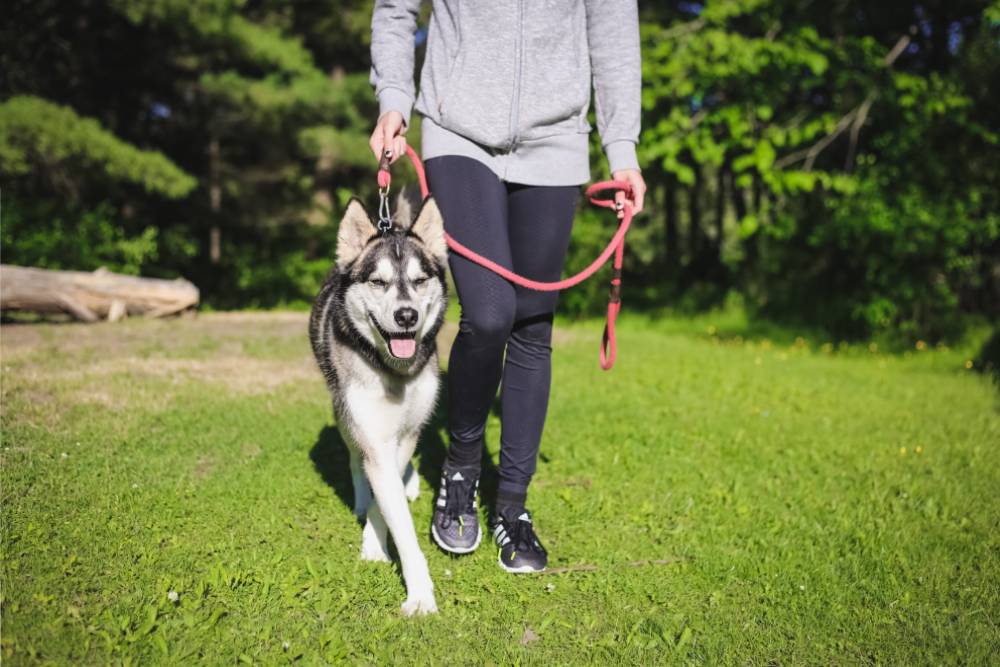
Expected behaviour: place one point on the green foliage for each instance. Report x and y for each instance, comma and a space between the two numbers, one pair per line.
835, 170
341, 148
904, 262
85, 242
220, 20
36, 135
832, 165
229, 92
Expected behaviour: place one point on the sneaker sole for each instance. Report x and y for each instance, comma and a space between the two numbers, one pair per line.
524, 569
455, 550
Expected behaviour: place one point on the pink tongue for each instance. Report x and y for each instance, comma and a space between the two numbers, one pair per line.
403, 347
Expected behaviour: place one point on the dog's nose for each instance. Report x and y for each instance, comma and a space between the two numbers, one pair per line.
406, 317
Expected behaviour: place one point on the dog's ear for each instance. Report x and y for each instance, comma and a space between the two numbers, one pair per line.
429, 226
355, 229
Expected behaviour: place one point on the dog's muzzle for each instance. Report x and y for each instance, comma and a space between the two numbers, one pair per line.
402, 344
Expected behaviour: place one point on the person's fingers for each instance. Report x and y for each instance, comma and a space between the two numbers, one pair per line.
398, 147
387, 140
376, 143
388, 137
639, 188
620, 201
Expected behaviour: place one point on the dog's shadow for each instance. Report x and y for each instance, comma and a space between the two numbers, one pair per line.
331, 459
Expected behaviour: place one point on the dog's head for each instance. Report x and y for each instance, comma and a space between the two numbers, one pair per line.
395, 281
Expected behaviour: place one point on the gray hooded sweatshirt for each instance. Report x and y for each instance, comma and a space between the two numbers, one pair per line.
508, 82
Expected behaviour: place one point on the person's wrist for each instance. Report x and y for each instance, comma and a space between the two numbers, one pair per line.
393, 99
621, 156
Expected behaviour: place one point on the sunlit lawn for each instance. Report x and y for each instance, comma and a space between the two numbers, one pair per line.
711, 500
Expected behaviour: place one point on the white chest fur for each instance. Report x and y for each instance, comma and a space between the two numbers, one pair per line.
386, 409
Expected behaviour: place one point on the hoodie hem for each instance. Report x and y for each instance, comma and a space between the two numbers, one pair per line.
556, 160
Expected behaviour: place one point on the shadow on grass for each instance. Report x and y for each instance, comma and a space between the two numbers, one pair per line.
331, 458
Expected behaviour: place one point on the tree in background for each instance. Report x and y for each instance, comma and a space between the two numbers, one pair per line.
235, 101
834, 164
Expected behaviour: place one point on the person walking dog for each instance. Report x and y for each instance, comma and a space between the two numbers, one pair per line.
505, 90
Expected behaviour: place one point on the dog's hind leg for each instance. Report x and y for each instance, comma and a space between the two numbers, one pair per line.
387, 485
362, 490
374, 537
411, 480
374, 541
411, 483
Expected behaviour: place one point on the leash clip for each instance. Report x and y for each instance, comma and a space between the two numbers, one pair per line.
384, 214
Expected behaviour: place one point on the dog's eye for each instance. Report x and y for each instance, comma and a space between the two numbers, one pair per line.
421, 280
378, 282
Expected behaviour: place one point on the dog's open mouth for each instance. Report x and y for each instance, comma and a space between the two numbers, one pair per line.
402, 344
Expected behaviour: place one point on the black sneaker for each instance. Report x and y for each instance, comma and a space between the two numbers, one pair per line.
520, 550
455, 524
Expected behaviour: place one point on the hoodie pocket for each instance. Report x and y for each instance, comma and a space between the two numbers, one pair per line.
556, 79
453, 70
477, 102
476, 99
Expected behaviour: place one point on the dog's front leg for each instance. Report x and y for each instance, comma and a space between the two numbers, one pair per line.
387, 485
411, 480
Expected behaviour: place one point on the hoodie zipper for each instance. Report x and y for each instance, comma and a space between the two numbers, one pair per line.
518, 67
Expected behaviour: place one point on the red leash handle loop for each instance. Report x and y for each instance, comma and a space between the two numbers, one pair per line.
616, 247
609, 185
609, 346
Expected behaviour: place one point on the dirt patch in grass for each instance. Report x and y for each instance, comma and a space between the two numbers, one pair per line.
210, 348
203, 467
238, 375
207, 333
207, 348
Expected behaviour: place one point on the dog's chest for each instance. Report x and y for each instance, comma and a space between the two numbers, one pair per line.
389, 408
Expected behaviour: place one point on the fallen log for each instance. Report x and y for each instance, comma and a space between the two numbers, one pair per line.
92, 296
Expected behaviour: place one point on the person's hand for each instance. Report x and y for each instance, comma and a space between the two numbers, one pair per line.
634, 178
387, 138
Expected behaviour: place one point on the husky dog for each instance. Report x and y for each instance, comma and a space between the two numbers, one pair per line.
373, 329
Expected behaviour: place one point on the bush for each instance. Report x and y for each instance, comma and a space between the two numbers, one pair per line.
894, 263
82, 242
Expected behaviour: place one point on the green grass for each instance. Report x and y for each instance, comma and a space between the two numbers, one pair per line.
740, 501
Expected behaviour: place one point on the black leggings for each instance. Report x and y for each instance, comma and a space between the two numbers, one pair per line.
526, 229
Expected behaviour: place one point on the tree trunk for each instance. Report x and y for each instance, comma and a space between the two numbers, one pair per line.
92, 296
215, 200
694, 212
673, 250
720, 212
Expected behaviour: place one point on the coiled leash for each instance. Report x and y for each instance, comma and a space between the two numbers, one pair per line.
616, 247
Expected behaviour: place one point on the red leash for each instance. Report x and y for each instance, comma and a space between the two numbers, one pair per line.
615, 246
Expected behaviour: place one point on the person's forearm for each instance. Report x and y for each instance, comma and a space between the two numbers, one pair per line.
394, 23
613, 35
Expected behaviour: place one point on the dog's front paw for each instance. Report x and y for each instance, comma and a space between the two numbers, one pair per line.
419, 605
372, 550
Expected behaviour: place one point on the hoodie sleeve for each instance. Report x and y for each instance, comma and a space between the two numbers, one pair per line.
394, 23
616, 64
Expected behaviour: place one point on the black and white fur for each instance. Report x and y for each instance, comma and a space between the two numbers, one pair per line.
381, 399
